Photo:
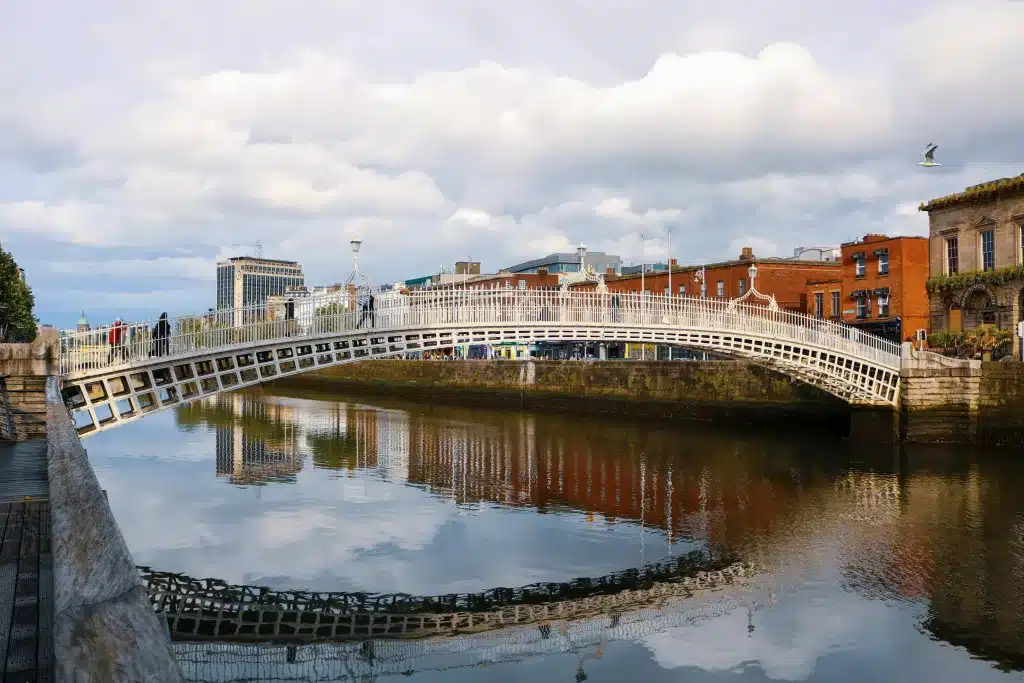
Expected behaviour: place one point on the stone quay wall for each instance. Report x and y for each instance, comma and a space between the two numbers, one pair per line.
23, 371
729, 391
975, 402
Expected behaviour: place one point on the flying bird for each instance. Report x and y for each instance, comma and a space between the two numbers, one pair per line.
929, 156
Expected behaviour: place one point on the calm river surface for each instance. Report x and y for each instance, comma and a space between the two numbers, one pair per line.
873, 565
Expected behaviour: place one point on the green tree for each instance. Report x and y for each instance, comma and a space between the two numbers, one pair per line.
17, 320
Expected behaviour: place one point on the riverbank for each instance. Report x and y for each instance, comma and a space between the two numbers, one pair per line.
731, 392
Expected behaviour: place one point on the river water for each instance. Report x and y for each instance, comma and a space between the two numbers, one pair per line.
866, 563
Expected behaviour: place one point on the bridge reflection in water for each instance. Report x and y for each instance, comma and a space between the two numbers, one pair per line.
937, 530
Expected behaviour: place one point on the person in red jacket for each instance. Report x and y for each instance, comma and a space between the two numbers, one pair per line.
117, 347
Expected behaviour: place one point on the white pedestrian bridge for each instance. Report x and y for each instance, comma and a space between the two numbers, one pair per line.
157, 366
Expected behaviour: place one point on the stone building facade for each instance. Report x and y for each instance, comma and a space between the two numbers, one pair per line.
976, 257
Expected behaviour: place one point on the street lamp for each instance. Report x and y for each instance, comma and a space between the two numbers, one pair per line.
581, 252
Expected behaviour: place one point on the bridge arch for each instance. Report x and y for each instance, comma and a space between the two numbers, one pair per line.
107, 388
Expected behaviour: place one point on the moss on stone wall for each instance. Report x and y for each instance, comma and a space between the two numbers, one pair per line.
711, 381
708, 391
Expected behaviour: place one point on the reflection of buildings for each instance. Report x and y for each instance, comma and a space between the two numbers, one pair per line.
247, 458
949, 537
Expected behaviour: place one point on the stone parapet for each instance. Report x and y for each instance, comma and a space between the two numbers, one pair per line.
104, 626
41, 358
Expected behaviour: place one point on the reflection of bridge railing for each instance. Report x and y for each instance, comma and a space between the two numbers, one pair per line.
365, 661
210, 609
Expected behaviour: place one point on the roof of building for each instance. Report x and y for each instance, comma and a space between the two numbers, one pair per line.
83, 320
565, 257
878, 239
977, 193
253, 259
772, 260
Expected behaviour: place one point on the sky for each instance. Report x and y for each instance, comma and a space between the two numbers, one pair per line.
142, 142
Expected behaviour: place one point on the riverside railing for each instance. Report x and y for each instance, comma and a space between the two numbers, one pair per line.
430, 310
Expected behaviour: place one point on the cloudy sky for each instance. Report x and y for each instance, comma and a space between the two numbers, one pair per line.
140, 142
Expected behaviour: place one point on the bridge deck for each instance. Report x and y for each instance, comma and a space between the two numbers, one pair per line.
26, 565
23, 470
26, 592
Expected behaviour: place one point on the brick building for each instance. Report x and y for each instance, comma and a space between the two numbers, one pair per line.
784, 278
976, 257
884, 286
825, 297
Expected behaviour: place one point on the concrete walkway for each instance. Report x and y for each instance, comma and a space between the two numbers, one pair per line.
26, 565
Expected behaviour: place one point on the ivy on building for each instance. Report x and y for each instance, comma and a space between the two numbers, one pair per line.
960, 281
979, 193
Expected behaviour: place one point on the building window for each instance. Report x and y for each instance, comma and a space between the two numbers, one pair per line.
682, 290
721, 288
860, 266
835, 304
743, 287
883, 306
1020, 242
883, 264
819, 305
667, 291
988, 250
862, 307
952, 256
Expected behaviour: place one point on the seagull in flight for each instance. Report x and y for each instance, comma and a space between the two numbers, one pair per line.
929, 156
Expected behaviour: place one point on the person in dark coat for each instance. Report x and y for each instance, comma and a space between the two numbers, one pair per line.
161, 336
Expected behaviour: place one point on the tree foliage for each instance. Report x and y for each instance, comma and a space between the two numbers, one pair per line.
17, 319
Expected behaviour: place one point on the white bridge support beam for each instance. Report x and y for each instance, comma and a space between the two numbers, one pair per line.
108, 385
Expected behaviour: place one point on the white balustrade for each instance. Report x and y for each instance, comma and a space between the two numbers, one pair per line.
85, 353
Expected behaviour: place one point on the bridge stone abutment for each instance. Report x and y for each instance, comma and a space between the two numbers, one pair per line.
947, 400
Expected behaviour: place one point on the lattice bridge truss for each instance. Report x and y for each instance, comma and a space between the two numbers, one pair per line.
153, 366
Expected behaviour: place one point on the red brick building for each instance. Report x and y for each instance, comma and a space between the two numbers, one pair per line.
825, 297
883, 286
786, 279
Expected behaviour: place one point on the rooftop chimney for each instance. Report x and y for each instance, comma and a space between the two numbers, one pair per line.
747, 254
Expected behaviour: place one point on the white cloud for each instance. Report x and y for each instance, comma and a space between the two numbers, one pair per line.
191, 268
463, 141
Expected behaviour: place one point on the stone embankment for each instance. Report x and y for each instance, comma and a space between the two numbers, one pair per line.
942, 400
732, 392
24, 368
961, 401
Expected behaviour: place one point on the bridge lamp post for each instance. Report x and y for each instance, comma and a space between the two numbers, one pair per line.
581, 252
356, 243
643, 290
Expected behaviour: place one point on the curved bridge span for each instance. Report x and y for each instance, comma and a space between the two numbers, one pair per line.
163, 364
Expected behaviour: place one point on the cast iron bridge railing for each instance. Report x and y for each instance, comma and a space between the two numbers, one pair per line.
193, 356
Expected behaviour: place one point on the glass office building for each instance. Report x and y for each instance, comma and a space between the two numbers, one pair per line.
245, 281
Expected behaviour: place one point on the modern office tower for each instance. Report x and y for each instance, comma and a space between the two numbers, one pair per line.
247, 282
